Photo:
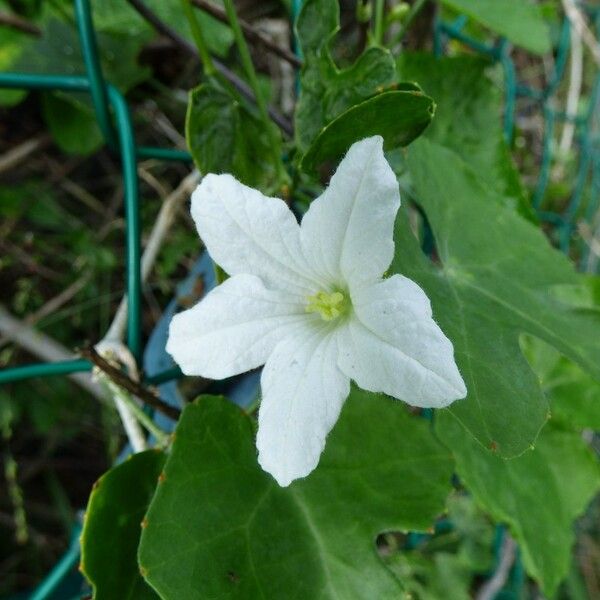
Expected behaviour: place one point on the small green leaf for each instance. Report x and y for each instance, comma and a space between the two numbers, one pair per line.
220, 527
398, 116
326, 90
493, 284
112, 528
317, 22
225, 137
538, 494
521, 21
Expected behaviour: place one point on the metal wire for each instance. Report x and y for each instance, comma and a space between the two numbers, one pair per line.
113, 117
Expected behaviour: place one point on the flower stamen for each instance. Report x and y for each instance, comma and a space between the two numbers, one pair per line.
329, 305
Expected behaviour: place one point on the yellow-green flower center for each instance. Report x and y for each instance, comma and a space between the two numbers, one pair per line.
329, 305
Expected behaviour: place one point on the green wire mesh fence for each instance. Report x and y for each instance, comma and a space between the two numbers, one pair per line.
114, 120
112, 114
589, 151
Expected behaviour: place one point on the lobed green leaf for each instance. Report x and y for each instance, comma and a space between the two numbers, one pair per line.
225, 137
494, 283
538, 494
221, 527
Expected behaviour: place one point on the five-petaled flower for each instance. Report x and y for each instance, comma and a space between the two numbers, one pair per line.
309, 302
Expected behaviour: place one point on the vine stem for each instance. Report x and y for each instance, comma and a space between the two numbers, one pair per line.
378, 22
253, 34
248, 66
124, 399
190, 15
239, 84
415, 9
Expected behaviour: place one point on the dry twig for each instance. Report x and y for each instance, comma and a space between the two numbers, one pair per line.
242, 87
19, 24
45, 348
489, 590
19, 153
574, 93
253, 34
161, 227
146, 395
579, 23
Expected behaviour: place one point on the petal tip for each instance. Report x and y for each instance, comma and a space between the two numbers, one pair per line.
279, 474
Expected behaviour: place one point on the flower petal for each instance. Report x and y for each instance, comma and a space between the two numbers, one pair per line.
347, 233
234, 328
391, 344
246, 232
303, 392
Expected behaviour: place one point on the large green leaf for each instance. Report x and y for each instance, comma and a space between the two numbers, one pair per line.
494, 283
520, 21
225, 137
326, 90
573, 394
538, 494
112, 528
220, 527
468, 118
399, 116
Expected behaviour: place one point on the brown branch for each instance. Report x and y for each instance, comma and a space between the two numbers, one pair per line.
16, 22
253, 34
146, 395
16, 155
242, 87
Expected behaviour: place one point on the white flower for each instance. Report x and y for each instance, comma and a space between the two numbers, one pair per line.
309, 303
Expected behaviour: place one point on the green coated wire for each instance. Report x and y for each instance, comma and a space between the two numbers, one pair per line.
591, 209
77, 83
168, 154
89, 50
132, 216
104, 96
544, 175
564, 43
67, 562
595, 197
510, 92
28, 81
585, 156
454, 30
43, 370
129, 167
